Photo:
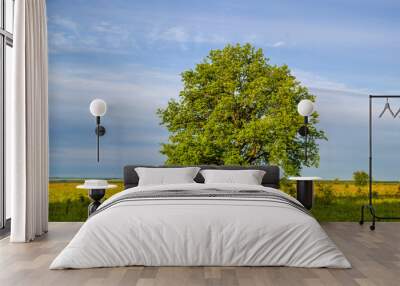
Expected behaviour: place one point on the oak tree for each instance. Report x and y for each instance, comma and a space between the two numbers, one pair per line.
238, 109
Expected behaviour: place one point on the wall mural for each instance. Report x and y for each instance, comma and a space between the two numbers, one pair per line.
137, 56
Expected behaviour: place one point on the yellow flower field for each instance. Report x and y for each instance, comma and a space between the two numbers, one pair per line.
334, 200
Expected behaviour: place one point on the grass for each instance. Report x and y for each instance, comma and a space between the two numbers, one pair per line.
67, 203
334, 200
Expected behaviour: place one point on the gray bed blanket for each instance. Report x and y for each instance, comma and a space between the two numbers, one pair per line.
203, 194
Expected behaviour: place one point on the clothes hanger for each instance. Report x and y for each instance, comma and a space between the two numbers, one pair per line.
397, 113
387, 107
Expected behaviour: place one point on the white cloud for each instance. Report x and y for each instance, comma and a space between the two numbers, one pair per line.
186, 35
61, 41
106, 27
209, 38
142, 27
278, 44
270, 32
183, 36
65, 35
312, 80
63, 23
177, 34
115, 36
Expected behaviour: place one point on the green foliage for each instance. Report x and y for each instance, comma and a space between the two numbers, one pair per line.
236, 108
348, 209
360, 178
325, 193
288, 186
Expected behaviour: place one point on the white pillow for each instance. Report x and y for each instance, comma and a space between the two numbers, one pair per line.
166, 176
248, 177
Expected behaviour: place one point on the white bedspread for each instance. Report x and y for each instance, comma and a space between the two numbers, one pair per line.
200, 231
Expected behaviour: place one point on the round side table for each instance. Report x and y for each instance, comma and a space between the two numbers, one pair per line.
95, 193
305, 190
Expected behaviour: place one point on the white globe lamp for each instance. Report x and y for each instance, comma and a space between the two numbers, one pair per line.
305, 107
98, 108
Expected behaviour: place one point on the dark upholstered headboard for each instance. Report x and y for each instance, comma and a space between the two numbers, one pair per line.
271, 177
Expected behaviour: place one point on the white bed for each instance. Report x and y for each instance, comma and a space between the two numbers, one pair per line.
202, 231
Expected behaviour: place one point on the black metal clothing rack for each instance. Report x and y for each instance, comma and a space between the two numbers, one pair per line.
370, 205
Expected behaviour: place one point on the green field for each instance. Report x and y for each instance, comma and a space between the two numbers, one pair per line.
334, 200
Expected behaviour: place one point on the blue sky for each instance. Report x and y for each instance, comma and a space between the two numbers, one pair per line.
130, 53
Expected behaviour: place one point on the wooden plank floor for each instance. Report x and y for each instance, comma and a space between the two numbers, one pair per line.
375, 257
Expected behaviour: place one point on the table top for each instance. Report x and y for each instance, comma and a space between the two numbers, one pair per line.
96, 187
304, 178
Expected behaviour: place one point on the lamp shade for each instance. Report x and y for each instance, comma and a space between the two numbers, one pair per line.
98, 107
305, 107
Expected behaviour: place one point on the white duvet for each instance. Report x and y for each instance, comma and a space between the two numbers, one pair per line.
200, 231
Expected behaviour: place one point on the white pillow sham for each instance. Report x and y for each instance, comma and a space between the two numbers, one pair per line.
248, 177
166, 176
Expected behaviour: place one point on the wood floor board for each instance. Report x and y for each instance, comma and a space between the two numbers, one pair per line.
375, 257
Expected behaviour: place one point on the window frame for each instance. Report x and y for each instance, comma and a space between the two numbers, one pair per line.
6, 39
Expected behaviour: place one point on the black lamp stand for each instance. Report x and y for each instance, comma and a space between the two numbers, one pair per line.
100, 131
303, 131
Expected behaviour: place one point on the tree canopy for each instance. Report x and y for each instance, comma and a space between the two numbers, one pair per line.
236, 108
360, 178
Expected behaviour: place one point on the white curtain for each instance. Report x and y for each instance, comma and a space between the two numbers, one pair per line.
27, 123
